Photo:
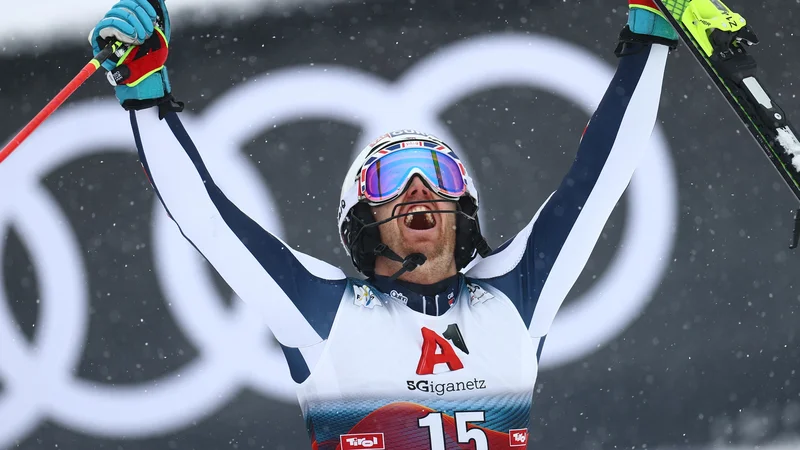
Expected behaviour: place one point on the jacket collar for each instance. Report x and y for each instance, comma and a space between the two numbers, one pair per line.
431, 299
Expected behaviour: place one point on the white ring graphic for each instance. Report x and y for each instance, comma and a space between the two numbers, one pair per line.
39, 380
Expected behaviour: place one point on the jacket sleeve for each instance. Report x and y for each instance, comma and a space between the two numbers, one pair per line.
538, 267
297, 294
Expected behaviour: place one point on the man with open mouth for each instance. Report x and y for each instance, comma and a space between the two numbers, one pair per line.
437, 347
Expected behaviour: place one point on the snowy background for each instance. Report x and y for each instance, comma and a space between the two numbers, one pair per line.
710, 363
44, 23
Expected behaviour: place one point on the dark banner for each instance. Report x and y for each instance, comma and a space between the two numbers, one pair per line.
115, 334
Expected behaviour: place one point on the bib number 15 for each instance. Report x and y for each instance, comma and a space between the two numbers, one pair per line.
435, 425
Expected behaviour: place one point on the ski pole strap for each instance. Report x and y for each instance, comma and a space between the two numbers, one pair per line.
630, 42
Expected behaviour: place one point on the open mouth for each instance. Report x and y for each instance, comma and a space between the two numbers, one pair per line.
419, 218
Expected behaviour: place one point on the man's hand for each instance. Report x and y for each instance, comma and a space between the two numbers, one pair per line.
645, 18
140, 33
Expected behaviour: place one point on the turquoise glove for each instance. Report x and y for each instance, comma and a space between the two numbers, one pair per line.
140, 32
644, 17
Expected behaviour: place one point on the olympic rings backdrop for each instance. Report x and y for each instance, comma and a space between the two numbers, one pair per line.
115, 332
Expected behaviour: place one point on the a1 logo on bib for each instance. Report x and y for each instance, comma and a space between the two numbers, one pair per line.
436, 349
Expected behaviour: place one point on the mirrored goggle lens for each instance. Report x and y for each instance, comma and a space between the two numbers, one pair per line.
387, 176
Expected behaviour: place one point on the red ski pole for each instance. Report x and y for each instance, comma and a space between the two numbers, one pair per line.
57, 101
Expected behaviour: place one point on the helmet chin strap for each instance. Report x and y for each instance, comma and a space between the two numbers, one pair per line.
414, 260
409, 263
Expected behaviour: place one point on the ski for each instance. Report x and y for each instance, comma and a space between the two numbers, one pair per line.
719, 39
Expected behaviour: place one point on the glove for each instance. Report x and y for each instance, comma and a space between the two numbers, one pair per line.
140, 33
644, 17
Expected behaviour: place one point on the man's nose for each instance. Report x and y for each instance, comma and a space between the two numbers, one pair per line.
417, 189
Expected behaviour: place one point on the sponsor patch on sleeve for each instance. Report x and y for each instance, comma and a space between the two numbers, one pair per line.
365, 297
477, 294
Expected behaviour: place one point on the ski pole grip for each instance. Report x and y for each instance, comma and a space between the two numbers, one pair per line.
106, 52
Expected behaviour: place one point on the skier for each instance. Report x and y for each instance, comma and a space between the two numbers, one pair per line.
438, 347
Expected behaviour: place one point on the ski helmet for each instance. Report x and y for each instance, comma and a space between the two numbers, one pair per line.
362, 241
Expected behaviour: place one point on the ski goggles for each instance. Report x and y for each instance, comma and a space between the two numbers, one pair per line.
385, 175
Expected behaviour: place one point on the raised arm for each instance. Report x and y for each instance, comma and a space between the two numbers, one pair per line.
539, 266
298, 295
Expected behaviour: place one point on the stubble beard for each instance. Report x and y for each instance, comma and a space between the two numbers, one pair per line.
439, 253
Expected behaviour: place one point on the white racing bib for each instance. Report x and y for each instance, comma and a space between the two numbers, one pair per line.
392, 378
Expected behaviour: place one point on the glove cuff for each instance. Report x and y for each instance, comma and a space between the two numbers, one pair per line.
630, 42
155, 90
153, 87
644, 20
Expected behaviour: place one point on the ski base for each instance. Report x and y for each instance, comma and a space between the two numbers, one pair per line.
718, 39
